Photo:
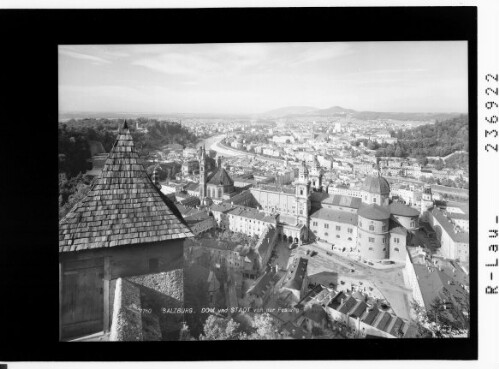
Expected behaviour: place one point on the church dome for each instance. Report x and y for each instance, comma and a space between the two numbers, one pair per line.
376, 185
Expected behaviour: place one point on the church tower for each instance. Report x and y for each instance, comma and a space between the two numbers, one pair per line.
202, 172
316, 175
303, 204
426, 202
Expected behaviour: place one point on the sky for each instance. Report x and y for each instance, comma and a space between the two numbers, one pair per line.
419, 76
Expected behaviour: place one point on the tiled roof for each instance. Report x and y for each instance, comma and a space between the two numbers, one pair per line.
359, 309
192, 186
296, 274
262, 283
374, 212
447, 225
335, 216
383, 321
397, 327
343, 200
123, 207
284, 189
370, 315
434, 283
222, 207
347, 305
397, 208
251, 213
220, 178
336, 301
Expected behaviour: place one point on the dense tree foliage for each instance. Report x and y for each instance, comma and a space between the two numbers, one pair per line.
75, 153
71, 191
439, 139
437, 322
260, 327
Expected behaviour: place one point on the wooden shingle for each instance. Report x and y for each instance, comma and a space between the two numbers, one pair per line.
123, 207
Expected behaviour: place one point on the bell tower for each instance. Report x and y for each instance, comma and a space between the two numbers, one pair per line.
303, 204
202, 172
316, 175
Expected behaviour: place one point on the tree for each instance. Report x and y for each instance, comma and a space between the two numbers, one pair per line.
439, 164
423, 161
217, 328
265, 328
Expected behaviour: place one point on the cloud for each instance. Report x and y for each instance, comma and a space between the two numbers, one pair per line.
78, 55
322, 51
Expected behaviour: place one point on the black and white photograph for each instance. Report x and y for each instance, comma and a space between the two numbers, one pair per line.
264, 191
249, 184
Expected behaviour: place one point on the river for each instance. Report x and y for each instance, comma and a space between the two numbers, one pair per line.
213, 143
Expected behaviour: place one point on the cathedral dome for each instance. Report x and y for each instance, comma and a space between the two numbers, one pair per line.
376, 185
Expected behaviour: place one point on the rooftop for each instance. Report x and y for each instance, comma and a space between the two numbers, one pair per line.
123, 207
374, 212
343, 200
335, 216
462, 237
396, 208
296, 274
251, 213
220, 178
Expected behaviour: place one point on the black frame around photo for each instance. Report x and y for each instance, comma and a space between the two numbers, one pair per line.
29, 311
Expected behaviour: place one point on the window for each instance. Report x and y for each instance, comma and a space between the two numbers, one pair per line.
384, 240
338, 228
350, 230
326, 234
371, 227
396, 249
326, 225
383, 228
337, 236
370, 248
396, 240
375, 200
413, 224
153, 265
360, 224
371, 239
349, 238
314, 224
301, 191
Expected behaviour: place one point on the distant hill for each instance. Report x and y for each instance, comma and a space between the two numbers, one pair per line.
289, 110
336, 111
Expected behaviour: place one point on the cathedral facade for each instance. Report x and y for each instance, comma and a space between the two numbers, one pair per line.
370, 227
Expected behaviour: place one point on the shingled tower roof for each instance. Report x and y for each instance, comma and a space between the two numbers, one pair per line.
123, 207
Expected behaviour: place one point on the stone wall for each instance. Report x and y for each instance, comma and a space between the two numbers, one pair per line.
127, 317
